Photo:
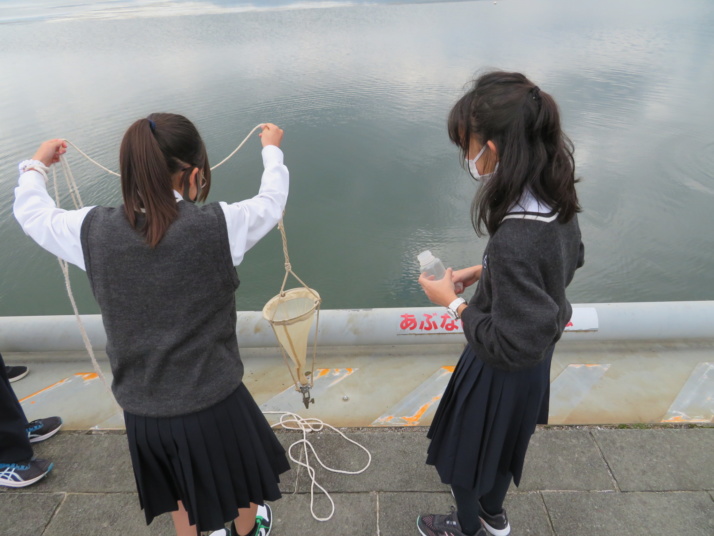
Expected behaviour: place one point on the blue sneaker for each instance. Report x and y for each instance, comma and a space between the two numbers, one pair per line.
42, 429
19, 475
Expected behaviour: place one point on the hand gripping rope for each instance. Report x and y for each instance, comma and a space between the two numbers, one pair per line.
288, 420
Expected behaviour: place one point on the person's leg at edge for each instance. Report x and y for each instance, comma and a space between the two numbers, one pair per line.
467, 509
15, 442
245, 522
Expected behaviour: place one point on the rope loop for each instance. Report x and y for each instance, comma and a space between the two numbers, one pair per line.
293, 421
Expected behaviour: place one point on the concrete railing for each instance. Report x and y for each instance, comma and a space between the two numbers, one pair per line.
428, 325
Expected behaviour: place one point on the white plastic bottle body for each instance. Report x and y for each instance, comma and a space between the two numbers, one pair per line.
432, 266
435, 269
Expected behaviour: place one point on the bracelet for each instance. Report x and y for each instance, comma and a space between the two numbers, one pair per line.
36, 165
453, 308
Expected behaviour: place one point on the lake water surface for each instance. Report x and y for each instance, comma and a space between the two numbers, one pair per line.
362, 90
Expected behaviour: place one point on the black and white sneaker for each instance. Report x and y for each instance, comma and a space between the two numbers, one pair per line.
263, 520
42, 429
443, 525
19, 475
496, 525
263, 524
16, 372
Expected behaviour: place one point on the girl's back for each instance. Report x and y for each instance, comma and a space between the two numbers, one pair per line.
169, 310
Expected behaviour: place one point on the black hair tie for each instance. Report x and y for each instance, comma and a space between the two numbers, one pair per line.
535, 93
152, 125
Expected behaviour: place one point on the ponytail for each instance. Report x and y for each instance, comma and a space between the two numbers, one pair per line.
555, 182
152, 151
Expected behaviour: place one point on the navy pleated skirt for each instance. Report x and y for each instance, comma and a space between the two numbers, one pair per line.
485, 420
215, 461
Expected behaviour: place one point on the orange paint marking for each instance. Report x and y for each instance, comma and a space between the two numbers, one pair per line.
87, 376
413, 420
679, 418
449, 368
48, 388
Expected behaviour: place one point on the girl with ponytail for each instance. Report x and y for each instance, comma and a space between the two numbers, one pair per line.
162, 270
508, 132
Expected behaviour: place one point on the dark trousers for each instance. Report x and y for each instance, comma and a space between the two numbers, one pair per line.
469, 505
14, 443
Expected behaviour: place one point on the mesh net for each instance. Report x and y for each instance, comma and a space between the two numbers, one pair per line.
291, 316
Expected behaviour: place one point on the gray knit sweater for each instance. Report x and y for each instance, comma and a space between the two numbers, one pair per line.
169, 312
519, 308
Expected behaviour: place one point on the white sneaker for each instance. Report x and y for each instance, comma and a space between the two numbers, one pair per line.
263, 520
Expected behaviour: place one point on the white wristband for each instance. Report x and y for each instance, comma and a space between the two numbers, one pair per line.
453, 307
36, 165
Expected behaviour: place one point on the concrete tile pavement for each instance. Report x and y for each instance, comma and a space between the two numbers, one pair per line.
578, 481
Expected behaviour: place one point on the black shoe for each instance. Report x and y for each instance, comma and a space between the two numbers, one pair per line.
496, 525
443, 525
19, 475
16, 373
42, 429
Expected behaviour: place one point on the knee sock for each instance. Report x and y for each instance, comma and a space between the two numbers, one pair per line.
492, 502
234, 530
467, 509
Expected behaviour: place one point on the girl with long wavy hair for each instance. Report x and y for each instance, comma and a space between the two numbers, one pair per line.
509, 133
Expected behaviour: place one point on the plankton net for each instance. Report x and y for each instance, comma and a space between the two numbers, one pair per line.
291, 314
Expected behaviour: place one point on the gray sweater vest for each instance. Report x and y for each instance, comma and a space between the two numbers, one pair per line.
169, 312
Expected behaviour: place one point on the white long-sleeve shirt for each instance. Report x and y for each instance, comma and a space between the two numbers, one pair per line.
58, 230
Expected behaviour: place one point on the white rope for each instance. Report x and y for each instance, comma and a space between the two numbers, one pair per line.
292, 421
85, 155
256, 127
65, 271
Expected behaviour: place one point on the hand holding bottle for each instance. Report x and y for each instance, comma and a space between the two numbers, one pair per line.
465, 277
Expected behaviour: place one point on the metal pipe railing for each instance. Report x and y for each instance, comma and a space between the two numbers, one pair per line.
427, 325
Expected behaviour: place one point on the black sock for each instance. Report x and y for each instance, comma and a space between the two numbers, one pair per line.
234, 530
492, 502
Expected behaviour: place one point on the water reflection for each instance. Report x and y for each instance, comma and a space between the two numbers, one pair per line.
362, 92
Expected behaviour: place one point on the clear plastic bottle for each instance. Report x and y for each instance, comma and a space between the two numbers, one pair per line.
431, 265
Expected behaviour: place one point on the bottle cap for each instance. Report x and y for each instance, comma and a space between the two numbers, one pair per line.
425, 257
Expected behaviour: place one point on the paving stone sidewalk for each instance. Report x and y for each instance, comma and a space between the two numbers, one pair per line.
578, 481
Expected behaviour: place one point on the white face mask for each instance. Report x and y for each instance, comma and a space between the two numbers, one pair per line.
474, 171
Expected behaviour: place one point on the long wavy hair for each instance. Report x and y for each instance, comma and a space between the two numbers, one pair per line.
533, 152
152, 151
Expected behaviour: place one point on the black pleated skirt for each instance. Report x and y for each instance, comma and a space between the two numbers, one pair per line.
215, 461
485, 420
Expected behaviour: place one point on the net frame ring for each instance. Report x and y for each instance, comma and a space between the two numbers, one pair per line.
280, 321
